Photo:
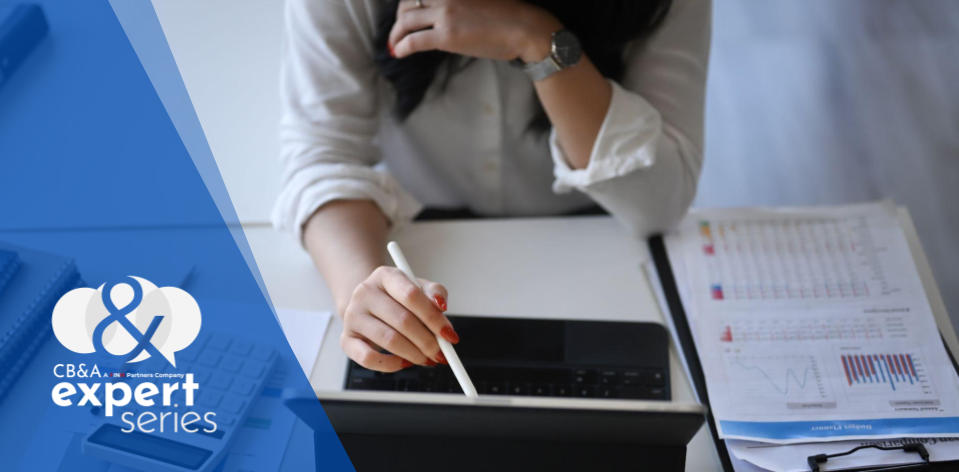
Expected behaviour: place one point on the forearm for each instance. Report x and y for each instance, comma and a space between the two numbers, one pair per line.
345, 239
576, 99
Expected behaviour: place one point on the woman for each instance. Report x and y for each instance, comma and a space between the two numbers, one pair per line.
501, 106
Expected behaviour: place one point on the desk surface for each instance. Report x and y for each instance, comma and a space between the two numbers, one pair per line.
571, 268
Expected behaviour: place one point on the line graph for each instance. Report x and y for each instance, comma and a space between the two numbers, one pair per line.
790, 378
790, 374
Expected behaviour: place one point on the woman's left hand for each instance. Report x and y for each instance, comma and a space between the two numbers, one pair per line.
489, 29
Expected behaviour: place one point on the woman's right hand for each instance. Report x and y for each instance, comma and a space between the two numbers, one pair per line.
388, 311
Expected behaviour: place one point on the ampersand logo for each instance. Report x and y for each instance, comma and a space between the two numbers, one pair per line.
131, 318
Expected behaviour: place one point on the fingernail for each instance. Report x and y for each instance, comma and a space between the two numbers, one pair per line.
430, 362
440, 302
407, 363
440, 357
389, 47
449, 334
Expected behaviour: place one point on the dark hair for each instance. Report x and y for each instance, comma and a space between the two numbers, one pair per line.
604, 27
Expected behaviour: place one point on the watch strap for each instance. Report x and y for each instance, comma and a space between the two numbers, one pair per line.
540, 70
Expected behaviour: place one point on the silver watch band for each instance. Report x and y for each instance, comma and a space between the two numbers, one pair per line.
540, 70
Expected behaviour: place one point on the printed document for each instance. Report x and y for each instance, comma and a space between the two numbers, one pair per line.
813, 325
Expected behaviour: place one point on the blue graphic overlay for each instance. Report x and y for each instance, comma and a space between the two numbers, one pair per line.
99, 186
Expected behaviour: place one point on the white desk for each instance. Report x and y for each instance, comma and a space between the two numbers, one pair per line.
572, 268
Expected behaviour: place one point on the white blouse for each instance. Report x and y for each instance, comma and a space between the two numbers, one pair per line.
468, 145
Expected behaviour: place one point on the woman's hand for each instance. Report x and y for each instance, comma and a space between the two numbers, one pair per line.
390, 312
489, 29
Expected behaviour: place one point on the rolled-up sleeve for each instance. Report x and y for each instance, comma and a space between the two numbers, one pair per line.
330, 115
647, 157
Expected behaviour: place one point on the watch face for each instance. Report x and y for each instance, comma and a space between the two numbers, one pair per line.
566, 48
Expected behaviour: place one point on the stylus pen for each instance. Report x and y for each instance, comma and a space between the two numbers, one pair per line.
458, 370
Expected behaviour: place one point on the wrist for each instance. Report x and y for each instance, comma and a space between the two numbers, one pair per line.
537, 37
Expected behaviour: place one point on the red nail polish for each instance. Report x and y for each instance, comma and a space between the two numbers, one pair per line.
440, 302
430, 362
406, 364
389, 47
449, 334
440, 357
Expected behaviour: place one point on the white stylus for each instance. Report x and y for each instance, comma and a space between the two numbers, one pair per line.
458, 370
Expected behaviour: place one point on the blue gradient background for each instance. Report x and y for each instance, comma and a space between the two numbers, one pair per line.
96, 165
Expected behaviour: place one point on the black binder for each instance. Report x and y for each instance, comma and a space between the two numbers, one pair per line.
664, 271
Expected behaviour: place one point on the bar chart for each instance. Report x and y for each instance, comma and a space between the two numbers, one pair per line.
897, 375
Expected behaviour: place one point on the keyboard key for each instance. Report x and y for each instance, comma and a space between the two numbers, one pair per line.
262, 353
584, 377
641, 393
608, 377
408, 386
451, 387
606, 392
243, 386
496, 388
372, 384
242, 347
210, 358
219, 342
429, 387
562, 390
653, 378
253, 370
584, 391
210, 399
232, 404
231, 364
518, 389
540, 390
632, 377
221, 381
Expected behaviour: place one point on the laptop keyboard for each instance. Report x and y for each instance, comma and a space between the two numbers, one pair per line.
630, 383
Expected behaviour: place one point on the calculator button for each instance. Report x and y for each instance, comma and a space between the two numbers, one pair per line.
210, 359
188, 355
262, 353
253, 370
232, 404
231, 365
210, 399
242, 347
201, 375
218, 342
653, 378
221, 381
243, 386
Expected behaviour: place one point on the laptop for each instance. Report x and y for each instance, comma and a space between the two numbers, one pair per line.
554, 394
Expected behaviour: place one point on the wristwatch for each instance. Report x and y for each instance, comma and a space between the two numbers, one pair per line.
565, 52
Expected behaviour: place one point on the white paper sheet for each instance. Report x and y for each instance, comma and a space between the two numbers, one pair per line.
305, 331
813, 325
